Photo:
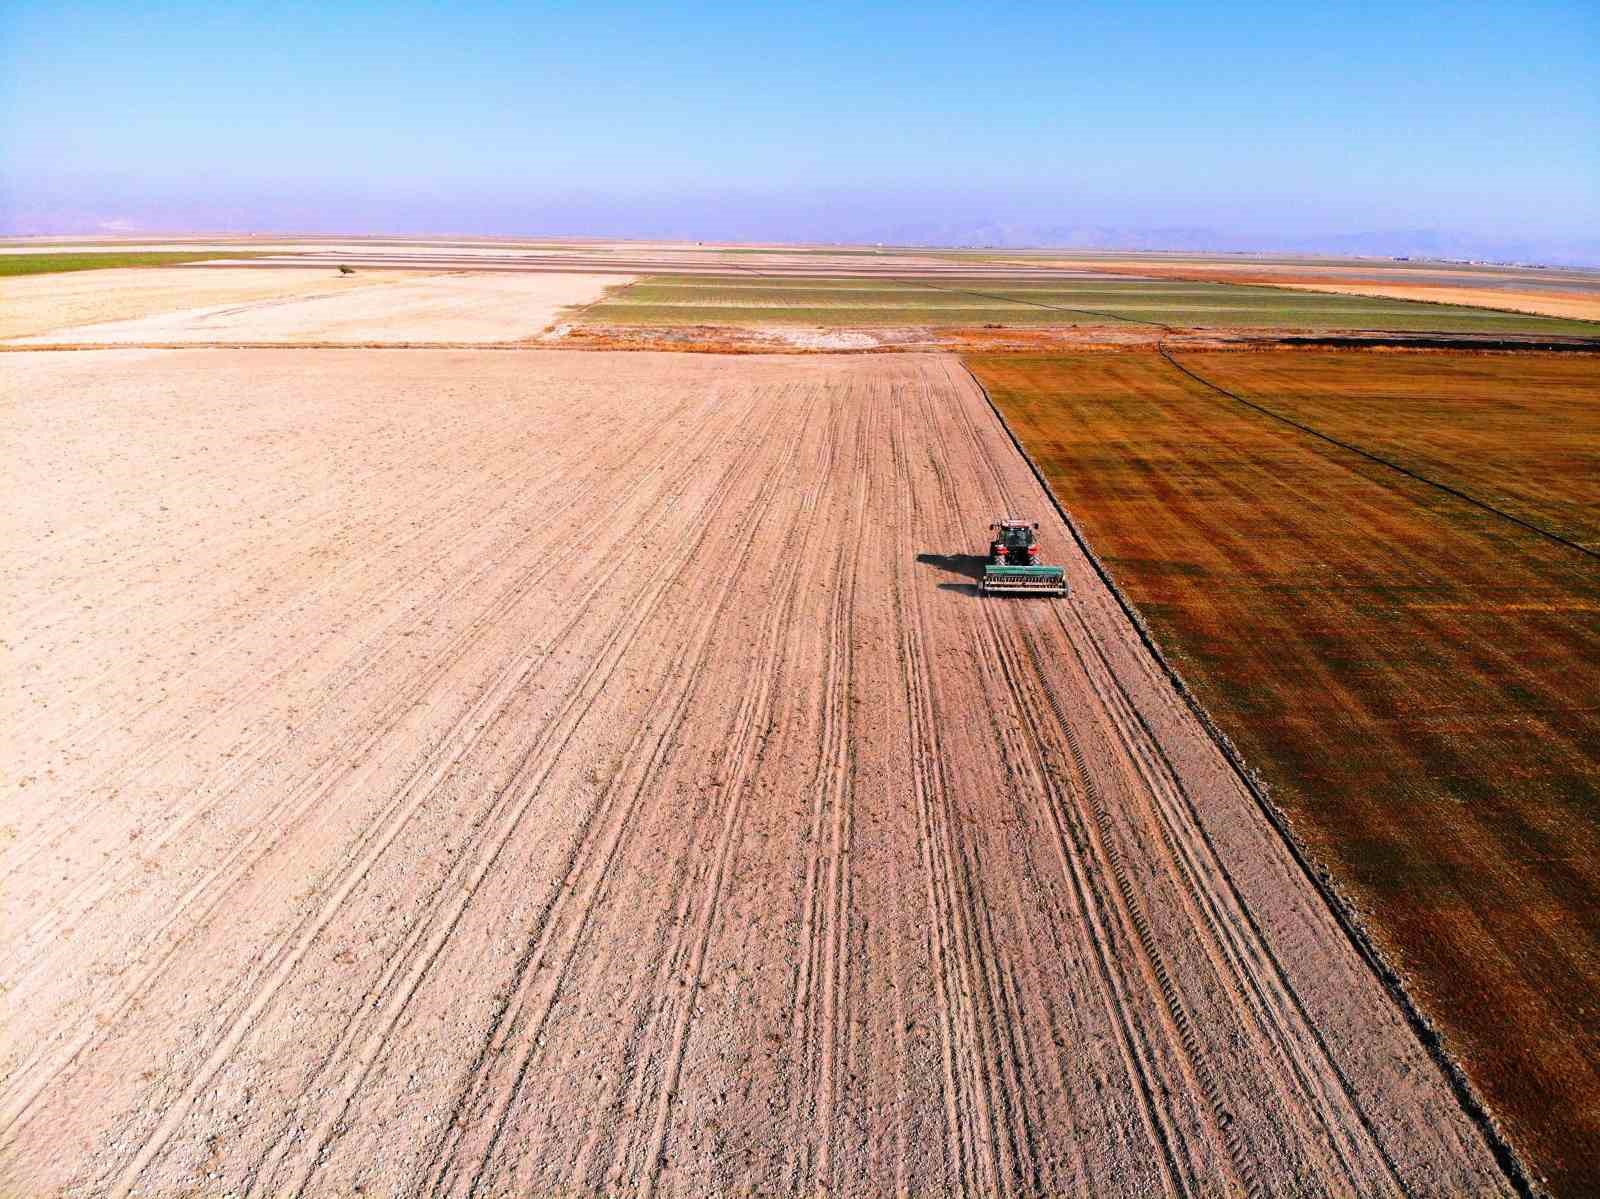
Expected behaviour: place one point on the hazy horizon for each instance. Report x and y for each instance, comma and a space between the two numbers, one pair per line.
1453, 131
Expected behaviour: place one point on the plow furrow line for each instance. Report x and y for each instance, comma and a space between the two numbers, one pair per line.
365, 661
951, 897
514, 1036
752, 727
1022, 679
369, 654
1010, 1094
826, 788
1310, 1085
334, 770
383, 832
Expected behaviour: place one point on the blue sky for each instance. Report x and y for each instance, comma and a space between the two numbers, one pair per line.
733, 119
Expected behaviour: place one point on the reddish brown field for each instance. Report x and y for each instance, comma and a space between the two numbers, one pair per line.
1516, 432
1415, 676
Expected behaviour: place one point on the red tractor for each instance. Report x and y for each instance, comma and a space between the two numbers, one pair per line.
1014, 562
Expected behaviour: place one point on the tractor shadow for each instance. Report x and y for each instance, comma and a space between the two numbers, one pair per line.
966, 566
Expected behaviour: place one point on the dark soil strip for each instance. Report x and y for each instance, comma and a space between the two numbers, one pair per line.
1433, 341
1505, 1156
1371, 457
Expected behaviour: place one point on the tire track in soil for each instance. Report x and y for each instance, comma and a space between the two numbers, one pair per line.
514, 1035
1025, 678
214, 887
1177, 1024
414, 962
830, 952
394, 818
808, 963
999, 1019
626, 1104
349, 1087
1310, 1083
364, 660
1031, 774
972, 1148
752, 726
628, 1098
1206, 888
827, 785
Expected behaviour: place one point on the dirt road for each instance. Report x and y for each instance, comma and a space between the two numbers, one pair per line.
469, 773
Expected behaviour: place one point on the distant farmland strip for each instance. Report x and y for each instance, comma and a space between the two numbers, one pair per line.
837, 303
1037, 300
1416, 677
45, 264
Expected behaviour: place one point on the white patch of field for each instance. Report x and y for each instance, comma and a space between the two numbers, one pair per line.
31, 305
193, 307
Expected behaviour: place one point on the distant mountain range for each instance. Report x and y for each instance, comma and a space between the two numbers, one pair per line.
1415, 243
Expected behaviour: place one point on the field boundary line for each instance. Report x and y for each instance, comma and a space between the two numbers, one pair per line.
1341, 908
1381, 461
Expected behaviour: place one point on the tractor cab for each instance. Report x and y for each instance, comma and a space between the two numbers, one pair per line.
1014, 543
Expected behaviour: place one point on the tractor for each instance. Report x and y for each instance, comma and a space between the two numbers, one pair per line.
1013, 565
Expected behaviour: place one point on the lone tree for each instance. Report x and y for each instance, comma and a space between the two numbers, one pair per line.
347, 270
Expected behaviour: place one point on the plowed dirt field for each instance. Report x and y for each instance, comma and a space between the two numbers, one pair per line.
448, 772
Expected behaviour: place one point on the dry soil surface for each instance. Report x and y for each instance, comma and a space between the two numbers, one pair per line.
37, 304
447, 772
238, 305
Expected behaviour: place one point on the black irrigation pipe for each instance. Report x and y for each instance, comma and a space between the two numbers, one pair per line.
1342, 911
1381, 461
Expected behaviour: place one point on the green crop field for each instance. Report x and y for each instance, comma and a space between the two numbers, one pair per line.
46, 264
1416, 675
1155, 304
